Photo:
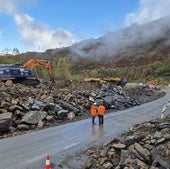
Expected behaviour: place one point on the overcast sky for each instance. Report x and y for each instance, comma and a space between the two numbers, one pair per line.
37, 25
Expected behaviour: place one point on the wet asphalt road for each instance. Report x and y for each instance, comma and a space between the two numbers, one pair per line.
29, 151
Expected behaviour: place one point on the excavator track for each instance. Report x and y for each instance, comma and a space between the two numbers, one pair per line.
24, 81
30, 82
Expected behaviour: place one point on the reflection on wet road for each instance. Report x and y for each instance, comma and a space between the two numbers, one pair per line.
97, 130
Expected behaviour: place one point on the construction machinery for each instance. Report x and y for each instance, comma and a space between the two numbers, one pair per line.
113, 80
99, 80
32, 63
152, 82
25, 73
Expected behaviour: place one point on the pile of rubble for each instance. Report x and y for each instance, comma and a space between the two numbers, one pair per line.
26, 108
144, 146
114, 97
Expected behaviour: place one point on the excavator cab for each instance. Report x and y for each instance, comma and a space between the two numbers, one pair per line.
15, 73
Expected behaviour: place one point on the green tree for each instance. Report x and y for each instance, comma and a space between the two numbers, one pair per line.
162, 71
62, 69
93, 73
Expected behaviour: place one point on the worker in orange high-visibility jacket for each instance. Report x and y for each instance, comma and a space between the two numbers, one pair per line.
93, 111
101, 112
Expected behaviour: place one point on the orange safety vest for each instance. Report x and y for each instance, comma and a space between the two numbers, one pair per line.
101, 110
93, 110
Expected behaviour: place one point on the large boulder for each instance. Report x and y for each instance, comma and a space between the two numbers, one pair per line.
5, 122
33, 117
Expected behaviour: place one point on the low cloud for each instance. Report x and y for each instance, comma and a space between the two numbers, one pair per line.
142, 27
34, 35
147, 11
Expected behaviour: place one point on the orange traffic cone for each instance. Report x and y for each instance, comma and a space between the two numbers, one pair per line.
47, 163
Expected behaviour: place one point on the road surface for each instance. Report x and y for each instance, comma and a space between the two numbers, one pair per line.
29, 151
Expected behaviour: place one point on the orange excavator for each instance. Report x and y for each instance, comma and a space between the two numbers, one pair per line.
32, 63
25, 74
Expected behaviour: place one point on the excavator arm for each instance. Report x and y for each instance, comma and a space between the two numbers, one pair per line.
114, 80
32, 63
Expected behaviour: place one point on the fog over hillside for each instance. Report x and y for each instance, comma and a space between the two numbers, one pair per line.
134, 35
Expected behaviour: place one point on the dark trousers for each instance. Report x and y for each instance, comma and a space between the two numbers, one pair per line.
93, 118
101, 119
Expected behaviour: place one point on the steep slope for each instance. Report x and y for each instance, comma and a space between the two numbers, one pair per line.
138, 53
150, 34
134, 52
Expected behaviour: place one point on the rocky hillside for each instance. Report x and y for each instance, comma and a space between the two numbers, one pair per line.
137, 53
